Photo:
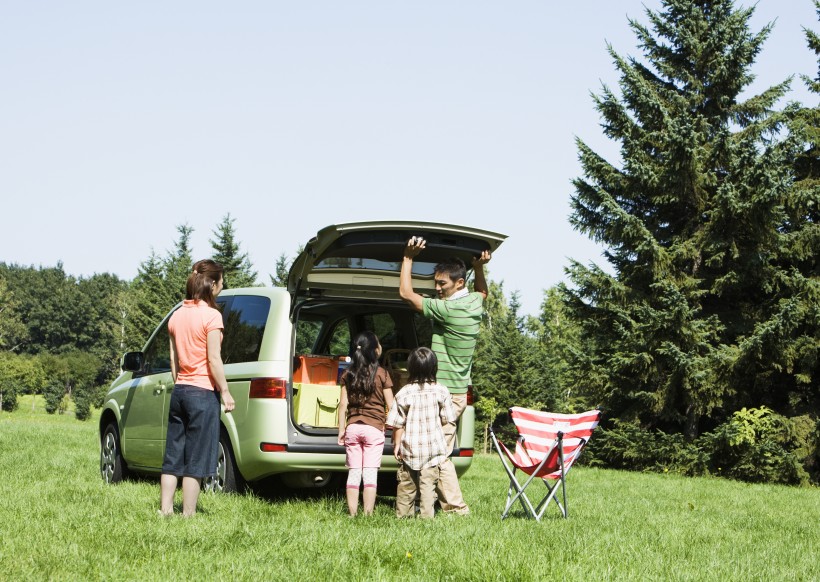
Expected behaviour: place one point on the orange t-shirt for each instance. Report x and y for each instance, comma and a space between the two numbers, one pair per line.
189, 327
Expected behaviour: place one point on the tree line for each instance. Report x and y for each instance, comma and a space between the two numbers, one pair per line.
62, 336
699, 342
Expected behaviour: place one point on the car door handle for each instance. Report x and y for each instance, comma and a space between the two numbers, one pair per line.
159, 389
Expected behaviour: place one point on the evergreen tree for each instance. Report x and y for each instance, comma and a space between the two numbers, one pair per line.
780, 359
237, 265
177, 266
146, 301
282, 270
508, 365
690, 219
559, 338
280, 277
158, 286
495, 309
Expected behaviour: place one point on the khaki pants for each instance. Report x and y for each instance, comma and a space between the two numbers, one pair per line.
413, 483
447, 489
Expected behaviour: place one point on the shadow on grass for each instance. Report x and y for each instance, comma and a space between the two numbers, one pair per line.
273, 489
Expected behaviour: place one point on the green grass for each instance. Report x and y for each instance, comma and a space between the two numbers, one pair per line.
59, 521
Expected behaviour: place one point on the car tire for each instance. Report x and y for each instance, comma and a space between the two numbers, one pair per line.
112, 466
228, 479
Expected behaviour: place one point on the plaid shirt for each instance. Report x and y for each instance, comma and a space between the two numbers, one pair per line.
420, 411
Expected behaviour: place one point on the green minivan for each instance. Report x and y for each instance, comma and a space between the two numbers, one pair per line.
284, 350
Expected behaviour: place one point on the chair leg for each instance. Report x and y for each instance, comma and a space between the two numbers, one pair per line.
551, 496
514, 484
521, 496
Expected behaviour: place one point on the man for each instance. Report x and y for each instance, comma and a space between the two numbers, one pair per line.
456, 316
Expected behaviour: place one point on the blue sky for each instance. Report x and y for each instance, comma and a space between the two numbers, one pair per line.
120, 121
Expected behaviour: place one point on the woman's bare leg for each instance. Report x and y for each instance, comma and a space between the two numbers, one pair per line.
167, 488
190, 494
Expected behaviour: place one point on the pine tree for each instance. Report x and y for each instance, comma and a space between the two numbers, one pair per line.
559, 338
690, 219
158, 286
781, 359
508, 365
177, 265
237, 265
280, 277
145, 302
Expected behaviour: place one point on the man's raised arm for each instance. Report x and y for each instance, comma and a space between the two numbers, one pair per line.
413, 248
480, 281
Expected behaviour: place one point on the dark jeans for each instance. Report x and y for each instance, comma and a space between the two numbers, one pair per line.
192, 442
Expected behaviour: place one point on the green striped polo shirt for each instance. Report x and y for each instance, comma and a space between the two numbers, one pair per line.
455, 329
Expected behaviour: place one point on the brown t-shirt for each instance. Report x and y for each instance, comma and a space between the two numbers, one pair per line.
372, 412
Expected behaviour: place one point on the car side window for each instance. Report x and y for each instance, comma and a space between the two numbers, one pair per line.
307, 332
340, 339
244, 319
424, 330
158, 353
385, 328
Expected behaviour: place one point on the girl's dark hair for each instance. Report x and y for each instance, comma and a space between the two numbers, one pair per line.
422, 366
360, 379
204, 275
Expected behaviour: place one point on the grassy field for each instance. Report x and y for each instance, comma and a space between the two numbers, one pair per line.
59, 521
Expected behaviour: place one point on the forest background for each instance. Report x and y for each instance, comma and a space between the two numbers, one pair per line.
699, 339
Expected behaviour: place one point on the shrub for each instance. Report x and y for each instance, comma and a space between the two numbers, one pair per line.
8, 398
756, 445
759, 445
626, 445
53, 394
84, 398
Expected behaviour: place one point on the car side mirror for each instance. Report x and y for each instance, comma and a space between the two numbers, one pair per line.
133, 361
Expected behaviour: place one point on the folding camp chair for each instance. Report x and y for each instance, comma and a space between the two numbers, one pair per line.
547, 446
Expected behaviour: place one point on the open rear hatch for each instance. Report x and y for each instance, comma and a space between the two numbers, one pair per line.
363, 259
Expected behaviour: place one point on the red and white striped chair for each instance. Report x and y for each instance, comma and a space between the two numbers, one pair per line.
547, 446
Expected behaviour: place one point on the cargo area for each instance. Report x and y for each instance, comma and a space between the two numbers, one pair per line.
316, 390
317, 385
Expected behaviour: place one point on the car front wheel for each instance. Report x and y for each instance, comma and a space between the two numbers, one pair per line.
112, 466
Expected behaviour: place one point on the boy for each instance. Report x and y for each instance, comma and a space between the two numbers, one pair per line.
417, 415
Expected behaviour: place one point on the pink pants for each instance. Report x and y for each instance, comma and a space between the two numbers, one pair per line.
364, 445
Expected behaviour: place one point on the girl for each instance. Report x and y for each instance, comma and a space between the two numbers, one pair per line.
192, 442
420, 410
367, 392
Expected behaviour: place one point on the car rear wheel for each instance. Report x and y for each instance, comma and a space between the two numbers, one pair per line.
228, 479
112, 466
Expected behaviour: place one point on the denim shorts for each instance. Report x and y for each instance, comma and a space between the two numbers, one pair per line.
192, 442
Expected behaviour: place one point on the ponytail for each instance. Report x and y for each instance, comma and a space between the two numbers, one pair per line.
205, 274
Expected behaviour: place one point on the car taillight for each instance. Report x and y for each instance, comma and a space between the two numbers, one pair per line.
470, 397
465, 453
268, 388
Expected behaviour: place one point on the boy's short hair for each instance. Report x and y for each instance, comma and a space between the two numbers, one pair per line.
422, 366
453, 268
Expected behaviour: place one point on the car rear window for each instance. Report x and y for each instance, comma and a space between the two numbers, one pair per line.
244, 317
419, 267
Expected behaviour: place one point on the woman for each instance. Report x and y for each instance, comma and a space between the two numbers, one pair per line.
192, 442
